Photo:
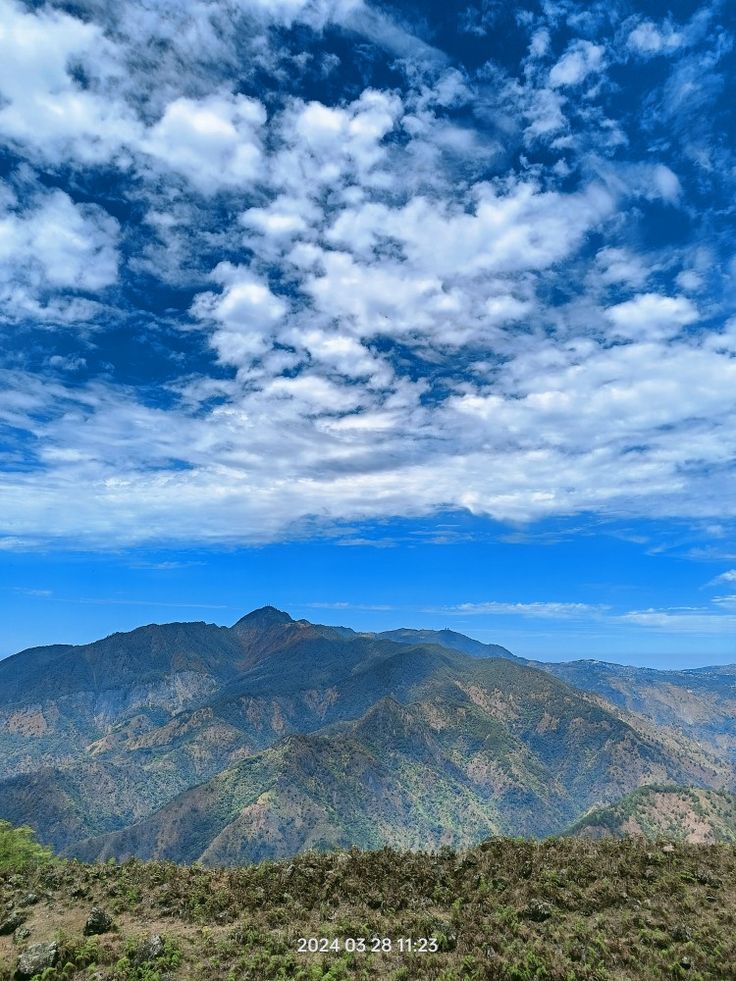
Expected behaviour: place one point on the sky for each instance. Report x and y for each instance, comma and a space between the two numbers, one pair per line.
394, 314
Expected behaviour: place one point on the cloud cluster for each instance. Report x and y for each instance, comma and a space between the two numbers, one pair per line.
436, 286
544, 611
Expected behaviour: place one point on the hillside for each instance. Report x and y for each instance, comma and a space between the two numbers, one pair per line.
505, 911
676, 813
701, 703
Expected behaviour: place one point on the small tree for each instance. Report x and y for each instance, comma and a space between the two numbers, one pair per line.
19, 848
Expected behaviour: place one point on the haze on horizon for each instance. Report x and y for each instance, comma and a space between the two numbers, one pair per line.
392, 315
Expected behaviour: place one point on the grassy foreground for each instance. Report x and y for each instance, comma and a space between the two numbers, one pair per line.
508, 909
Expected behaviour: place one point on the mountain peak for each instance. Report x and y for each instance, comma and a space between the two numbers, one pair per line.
264, 616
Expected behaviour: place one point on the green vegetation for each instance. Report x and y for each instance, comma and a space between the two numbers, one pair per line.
19, 849
509, 910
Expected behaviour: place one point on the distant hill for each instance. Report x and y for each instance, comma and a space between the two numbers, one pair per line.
700, 703
193, 741
448, 638
689, 814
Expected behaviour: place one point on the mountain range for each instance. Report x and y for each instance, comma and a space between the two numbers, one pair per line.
196, 742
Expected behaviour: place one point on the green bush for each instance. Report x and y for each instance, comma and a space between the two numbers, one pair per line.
19, 849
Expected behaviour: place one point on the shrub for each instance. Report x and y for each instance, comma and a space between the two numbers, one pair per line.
19, 849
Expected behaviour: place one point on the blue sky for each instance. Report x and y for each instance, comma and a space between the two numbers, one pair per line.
386, 314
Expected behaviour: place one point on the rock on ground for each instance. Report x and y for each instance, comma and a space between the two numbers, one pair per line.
36, 959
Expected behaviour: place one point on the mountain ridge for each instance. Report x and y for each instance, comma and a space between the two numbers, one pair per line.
176, 714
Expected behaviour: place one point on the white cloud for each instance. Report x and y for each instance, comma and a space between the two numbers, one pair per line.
11, 543
723, 341
323, 145
317, 393
214, 142
545, 611
381, 298
412, 307
341, 353
581, 59
520, 230
54, 246
615, 433
648, 39
43, 104
246, 312
394, 298
674, 621
681, 622
651, 315
383, 30
666, 183
689, 280
621, 266
73, 89
505, 308
545, 114
284, 219
315, 12
540, 42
